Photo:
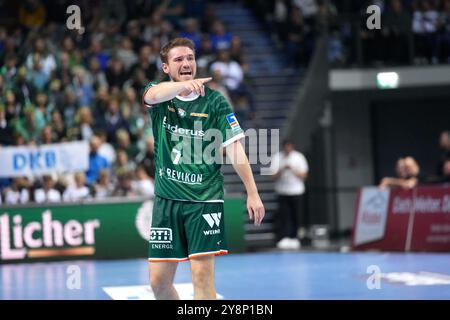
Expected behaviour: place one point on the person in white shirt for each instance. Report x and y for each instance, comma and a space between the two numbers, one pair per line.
143, 184
47, 193
79, 191
289, 169
18, 192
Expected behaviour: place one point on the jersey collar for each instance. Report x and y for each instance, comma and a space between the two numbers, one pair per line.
190, 97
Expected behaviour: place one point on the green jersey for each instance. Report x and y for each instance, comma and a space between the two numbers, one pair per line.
188, 133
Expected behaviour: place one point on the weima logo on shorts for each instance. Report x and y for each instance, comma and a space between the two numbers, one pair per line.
212, 218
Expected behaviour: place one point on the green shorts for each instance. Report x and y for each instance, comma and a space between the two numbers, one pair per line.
182, 230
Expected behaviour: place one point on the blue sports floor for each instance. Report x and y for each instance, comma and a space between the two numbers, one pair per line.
269, 275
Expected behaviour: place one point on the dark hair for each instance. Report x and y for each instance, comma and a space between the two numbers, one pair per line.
177, 42
286, 141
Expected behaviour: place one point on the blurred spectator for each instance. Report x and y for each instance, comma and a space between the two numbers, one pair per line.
424, 26
6, 130
84, 125
96, 161
146, 158
46, 59
37, 76
103, 188
298, 43
115, 72
336, 55
28, 127
138, 80
125, 185
279, 20
237, 52
444, 145
9, 69
58, 127
407, 171
135, 35
206, 56
82, 86
70, 108
289, 169
23, 89
123, 164
195, 8
443, 33
43, 110
191, 31
217, 84
112, 120
124, 143
146, 62
47, 136
152, 26
396, 27
220, 38
79, 191
12, 108
56, 95
445, 178
143, 184
18, 192
96, 75
243, 110
308, 8
126, 54
47, 193
96, 51
171, 10
100, 105
230, 71
106, 149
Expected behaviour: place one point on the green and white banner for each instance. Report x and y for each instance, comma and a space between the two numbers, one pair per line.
113, 230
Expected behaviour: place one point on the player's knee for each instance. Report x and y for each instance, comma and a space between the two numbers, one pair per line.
202, 278
160, 286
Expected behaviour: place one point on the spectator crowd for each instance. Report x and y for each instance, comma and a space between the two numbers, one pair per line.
61, 85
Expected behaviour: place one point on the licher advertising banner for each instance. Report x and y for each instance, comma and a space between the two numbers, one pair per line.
113, 230
415, 219
44, 159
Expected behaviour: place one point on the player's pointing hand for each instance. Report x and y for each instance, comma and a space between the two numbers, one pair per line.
196, 85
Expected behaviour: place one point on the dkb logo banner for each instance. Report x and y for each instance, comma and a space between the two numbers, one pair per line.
44, 159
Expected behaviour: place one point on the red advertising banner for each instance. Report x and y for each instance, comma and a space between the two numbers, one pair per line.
402, 219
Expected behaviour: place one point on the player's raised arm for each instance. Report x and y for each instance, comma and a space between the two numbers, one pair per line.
165, 91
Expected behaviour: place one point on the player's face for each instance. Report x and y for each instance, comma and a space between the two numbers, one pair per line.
181, 65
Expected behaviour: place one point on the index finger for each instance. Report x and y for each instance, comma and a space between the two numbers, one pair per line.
203, 80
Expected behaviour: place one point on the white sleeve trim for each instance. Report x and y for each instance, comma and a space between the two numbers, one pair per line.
233, 139
148, 105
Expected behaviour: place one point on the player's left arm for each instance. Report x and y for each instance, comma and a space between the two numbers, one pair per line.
240, 163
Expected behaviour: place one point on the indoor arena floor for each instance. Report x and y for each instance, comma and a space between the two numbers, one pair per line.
254, 276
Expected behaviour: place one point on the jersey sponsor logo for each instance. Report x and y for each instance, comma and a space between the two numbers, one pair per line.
181, 112
212, 219
160, 235
232, 121
201, 115
184, 177
182, 131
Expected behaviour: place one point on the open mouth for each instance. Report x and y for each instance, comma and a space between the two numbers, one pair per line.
185, 73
